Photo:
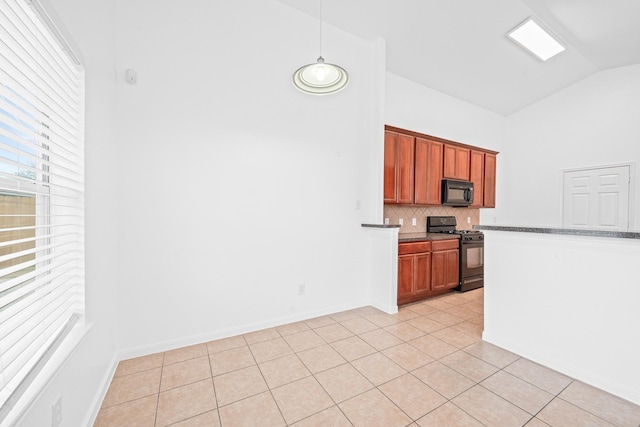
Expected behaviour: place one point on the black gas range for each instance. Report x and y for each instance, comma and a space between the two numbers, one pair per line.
471, 251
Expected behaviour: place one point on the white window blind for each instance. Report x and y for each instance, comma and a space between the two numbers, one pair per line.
41, 195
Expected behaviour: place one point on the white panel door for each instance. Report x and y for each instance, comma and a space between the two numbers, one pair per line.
596, 199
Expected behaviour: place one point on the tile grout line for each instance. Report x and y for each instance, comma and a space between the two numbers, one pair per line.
557, 396
269, 389
213, 385
450, 400
378, 387
447, 400
155, 419
475, 383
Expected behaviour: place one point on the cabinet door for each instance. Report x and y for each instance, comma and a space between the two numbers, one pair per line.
476, 173
462, 163
405, 167
422, 273
444, 269
390, 160
449, 169
428, 172
405, 276
489, 181
438, 270
452, 269
456, 162
398, 168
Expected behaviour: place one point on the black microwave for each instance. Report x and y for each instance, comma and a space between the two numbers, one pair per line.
457, 193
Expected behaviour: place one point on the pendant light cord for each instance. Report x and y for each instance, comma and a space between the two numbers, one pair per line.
320, 27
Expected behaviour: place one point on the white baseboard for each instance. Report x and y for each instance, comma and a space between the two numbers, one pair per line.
233, 331
565, 367
101, 393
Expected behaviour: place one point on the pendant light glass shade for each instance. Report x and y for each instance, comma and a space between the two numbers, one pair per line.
320, 78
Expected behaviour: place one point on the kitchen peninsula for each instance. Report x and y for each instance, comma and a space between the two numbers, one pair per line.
567, 299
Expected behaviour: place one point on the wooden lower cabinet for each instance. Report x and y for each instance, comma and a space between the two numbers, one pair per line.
414, 271
424, 271
413, 277
444, 265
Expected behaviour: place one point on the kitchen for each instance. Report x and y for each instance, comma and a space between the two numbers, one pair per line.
142, 280
550, 268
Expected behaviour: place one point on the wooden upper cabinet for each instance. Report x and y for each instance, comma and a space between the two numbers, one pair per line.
489, 180
449, 169
415, 164
428, 172
398, 168
476, 174
456, 162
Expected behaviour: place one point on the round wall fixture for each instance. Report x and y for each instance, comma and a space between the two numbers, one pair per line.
320, 78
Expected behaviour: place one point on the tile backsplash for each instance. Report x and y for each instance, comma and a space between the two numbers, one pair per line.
420, 213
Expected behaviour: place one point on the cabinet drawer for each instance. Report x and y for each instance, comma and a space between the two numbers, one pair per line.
443, 245
414, 248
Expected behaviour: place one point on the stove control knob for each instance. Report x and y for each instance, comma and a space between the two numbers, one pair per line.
481, 237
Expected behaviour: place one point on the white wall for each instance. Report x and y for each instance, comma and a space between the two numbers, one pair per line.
567, 302
234, 187
591, 123
83, 378
421, 109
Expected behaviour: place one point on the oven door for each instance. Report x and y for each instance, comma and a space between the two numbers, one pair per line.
471, 259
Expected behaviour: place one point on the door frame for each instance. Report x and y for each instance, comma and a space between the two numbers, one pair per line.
632, 188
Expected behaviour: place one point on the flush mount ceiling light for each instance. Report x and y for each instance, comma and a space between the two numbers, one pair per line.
320, 78
535, 39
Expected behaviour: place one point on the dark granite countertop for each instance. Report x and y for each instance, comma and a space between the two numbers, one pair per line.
419, 237
381, 225
563, 231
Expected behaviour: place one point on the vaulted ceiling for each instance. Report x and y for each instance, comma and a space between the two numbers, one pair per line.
459, 47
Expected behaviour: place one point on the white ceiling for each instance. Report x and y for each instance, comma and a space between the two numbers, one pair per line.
459, 47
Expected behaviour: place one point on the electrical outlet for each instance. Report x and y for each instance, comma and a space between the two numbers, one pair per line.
302, 289
386, 221
468, 220
401, 221
414, 221
56, 413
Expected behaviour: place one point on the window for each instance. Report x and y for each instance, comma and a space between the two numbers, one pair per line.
41, 195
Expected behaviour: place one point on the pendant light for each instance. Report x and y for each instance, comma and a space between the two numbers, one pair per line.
320, 78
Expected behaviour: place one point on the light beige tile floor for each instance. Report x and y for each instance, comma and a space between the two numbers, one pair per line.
425, 366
